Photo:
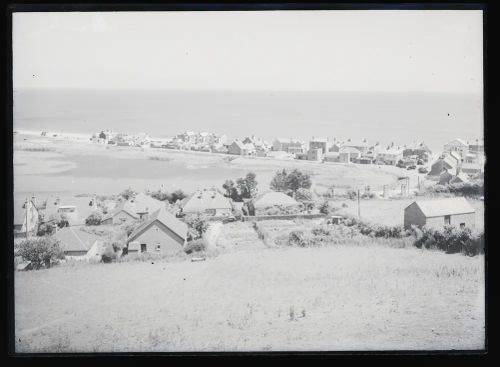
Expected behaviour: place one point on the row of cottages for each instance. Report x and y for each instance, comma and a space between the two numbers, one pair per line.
419, 150
209, 202
439, 213
161, 233
289, 145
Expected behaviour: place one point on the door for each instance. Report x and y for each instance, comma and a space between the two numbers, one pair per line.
143, 247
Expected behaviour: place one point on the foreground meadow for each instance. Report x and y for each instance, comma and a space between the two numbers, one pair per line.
330, 298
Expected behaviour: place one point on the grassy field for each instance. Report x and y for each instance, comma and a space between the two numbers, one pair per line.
331, 298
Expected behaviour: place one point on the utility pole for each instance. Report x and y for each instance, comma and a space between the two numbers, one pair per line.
408, 186
359, 209
26, 209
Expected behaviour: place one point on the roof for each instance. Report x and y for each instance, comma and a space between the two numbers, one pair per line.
75, 239
142, 203
123, 206
319, 140
348, 149
167, 219
81, 203
356, 143
273, 198
202, 200
393, 150
289, 141
440, 207
461, 177
462, 142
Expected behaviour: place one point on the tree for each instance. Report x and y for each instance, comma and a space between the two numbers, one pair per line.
160, 195
45, 229
247, 186
40, 251
303, 195
177, 195
61, 220
93, 219
289, 183
231, 191
127, 193
278, 183
198, 225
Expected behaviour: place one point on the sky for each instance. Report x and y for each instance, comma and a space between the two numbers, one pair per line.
368, 51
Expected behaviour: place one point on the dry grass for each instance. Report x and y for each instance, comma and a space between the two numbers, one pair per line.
332, 298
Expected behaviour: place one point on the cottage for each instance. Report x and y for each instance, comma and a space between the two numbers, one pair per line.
320, 143
79, 244
75, 209
26, 216
360, 145
315, 154
210, 202
420, 149
273, 199
448, 162
239, 148
348, 154
142, 205
162, 233
292, 146
438, 213
391, 155
448, 178
124, 213
335, 147
457, 145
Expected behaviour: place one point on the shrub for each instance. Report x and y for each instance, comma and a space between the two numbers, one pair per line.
45, 229
195, 246
326, 207
451, 240
301, 239
108, 254
352, 194
93, 219
40, 251
198, 225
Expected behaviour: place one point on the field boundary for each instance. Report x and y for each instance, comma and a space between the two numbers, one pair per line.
255, 218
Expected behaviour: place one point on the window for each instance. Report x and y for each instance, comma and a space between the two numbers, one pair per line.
447, 219
462, 225
158, 247
143, 247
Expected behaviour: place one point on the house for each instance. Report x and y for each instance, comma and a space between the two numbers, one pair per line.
457, 145
75, 209
391, 155
272, 199
447, 178
77, 243
289, 145
348, 154
472, 168
124, 213
320, 143
239, 148
335, 147
210, 202
438, 213
142, 205
419, 149
315, 154
446, 162
476, 147
26, 216
162, 233
361, 145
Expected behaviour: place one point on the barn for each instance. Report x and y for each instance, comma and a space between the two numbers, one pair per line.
438, 213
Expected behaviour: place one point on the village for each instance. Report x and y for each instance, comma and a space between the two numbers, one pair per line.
109, 227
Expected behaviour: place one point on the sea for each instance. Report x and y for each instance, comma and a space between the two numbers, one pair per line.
402, 118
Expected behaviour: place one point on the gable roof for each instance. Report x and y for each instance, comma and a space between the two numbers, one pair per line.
348, 149
123, 206
165, 218
448, 206
142, 203
75, 239
273, 198
202, 200
461, 141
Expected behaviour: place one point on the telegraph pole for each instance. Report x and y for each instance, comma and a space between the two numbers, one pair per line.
26, 209
359, 209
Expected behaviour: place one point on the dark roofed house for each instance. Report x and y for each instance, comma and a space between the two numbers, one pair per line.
124, 213
76, 242
162, 233
439, 213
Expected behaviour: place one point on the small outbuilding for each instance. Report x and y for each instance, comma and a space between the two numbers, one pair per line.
439, 213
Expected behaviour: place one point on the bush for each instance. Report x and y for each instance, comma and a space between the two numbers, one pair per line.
93, 219
352, 194
451, 240
108, 254
198, 225
279, 210
195, 246
326, 207
45, 229
301, 239
40, 251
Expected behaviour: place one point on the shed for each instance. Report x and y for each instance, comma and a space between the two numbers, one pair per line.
440, 212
